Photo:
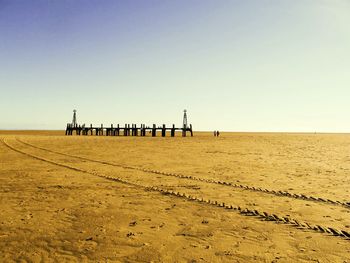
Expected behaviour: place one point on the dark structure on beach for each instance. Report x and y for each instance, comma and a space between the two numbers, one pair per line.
127, 129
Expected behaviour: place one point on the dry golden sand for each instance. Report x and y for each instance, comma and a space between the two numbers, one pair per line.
58, 207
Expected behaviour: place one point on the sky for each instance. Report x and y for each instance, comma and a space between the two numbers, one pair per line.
253, 65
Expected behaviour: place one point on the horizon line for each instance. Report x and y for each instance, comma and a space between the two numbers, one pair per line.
207, 131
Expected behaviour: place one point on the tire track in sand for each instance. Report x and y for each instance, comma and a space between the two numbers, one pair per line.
210, 181
262, 215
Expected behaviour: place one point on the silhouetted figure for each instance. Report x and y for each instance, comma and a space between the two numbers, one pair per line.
217, 133
214, 133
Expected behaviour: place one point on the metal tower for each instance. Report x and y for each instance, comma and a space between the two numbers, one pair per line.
185, 120
74, 121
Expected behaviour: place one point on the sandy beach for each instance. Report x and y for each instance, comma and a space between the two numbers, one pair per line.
241, 197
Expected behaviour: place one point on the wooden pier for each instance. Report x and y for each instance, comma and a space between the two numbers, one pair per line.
126, 130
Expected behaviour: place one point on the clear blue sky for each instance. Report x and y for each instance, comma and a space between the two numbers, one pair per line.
234, 65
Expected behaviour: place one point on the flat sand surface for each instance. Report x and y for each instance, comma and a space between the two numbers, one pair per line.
241, 197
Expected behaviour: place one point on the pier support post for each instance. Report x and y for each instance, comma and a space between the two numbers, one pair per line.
163, 130
154, 131
143, 130
184, 131
173, 131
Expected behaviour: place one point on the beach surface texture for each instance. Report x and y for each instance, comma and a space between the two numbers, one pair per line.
239, 197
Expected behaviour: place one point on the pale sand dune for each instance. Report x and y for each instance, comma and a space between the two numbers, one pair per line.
73, 213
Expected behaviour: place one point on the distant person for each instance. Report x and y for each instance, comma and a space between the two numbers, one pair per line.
217, 133
214, 133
